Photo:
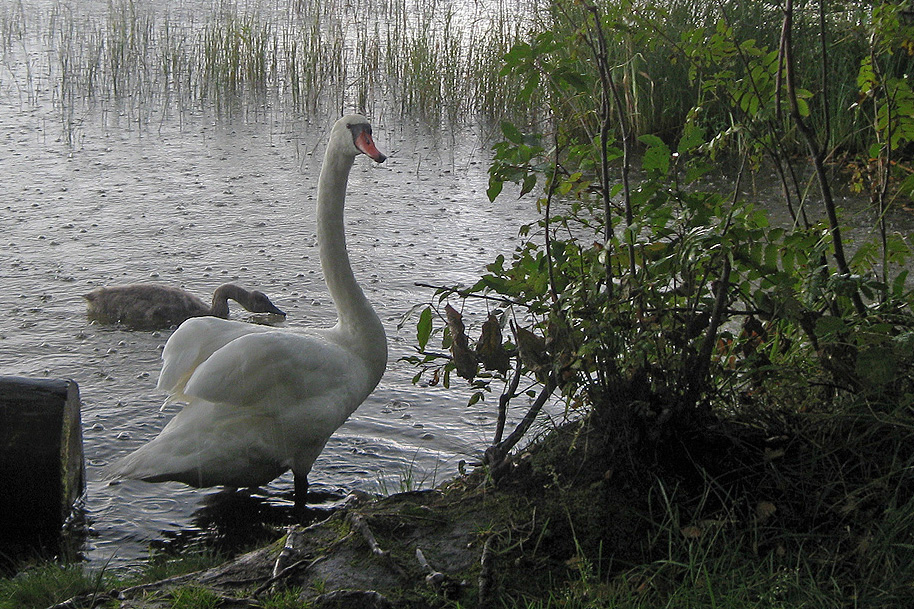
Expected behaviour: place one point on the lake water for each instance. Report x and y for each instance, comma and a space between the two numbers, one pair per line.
192, 201
210, 203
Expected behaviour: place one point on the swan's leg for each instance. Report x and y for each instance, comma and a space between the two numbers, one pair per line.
301, 494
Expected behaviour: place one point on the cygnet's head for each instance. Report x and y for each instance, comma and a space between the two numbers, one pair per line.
260, 303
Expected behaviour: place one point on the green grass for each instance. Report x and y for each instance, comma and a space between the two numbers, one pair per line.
48, 583
825, 521
44, 585
285, 599
408, 480
192, 597
829, 523
161, 566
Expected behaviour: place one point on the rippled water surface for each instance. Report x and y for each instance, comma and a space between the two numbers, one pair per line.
196, 206
148, 184
176, 197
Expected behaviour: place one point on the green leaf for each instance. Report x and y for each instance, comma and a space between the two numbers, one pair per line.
866, 77
517, 55
772, 252
494, 188
424, 327
692, 137
529, 183
512, 133
533, 82
829, 325
906, 187
657, 156
573, 79
898, 284
877, 365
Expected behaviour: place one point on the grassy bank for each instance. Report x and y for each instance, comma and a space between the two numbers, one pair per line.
782, 510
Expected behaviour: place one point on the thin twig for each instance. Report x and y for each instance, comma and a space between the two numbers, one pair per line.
465, 293
550, 192
815, 153
609, 89
495, 455
503, 401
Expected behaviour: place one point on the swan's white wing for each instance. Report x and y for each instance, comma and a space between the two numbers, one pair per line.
254, 406
191, 344
272, 372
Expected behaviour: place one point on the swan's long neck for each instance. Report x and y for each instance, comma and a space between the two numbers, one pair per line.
357, 318
220, 306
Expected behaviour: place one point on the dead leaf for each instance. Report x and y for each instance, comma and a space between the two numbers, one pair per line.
464, 357
690, 531
765, 510
490, 349
532, 349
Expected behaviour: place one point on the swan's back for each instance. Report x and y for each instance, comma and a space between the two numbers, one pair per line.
143, 305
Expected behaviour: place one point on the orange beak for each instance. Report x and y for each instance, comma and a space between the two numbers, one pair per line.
364, 143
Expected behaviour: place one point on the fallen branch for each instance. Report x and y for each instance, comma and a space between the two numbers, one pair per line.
288, 552
283, 567
486, 572
357, 521
80, 601
286, 572
434, 578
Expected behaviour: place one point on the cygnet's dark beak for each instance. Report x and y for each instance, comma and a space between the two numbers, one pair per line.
275, 310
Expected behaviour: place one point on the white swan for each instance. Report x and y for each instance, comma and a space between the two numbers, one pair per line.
261, 401
150, 306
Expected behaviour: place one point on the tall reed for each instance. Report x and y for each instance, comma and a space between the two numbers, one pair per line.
434, 59
410, 57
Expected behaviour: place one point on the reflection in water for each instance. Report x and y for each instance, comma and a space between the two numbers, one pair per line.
232, 520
